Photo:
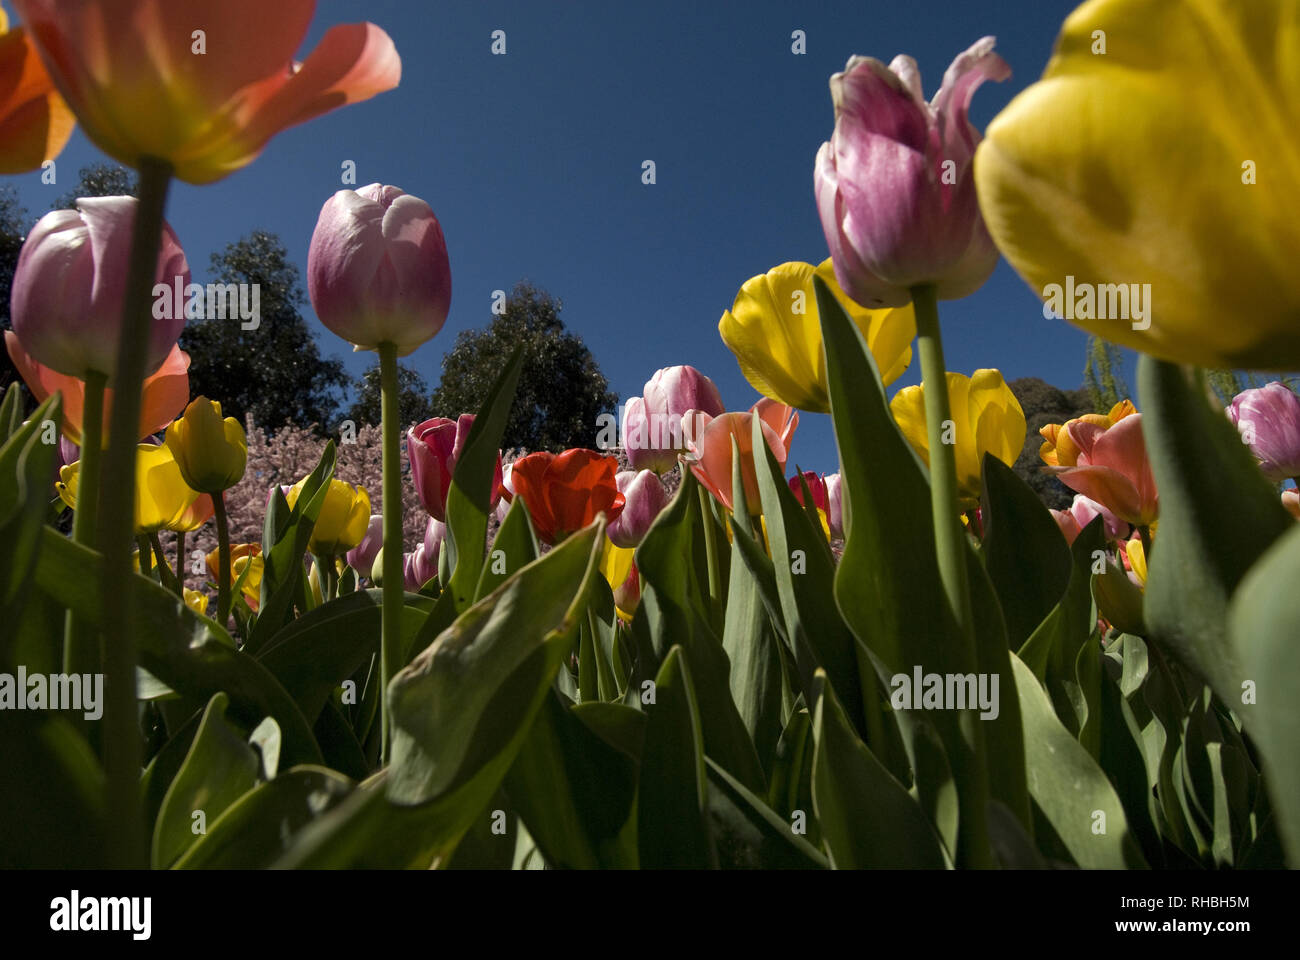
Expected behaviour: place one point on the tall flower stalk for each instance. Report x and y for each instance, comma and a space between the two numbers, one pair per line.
390, 648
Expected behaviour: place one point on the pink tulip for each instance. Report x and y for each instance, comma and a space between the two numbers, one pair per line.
1081, 513
835, 506
433, 448
69, 283
816, 486
377, 269
1268, 419
895, 184
644, 497
421, 566
653, 432
713, 468
361, 558
782, 419
507, 493
1113, 469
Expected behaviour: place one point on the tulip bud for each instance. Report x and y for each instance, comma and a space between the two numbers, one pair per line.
377, 269
835, 506
69, 285
653, 431
644, 497
210, 451
816, 487
565, 492
713, 468
362, 557
1268, 419
433, 447
895, 184
343, 521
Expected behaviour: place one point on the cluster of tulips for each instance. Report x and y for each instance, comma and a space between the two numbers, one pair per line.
702, 660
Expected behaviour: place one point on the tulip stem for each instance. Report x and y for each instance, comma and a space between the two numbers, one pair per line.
116, 522
79, 652
145, 552
223, 557
180, 559
949, 539
1144, 533
393, 586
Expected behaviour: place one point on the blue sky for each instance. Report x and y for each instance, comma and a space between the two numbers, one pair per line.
532, 162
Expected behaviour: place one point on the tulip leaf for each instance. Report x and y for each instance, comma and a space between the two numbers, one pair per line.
189, 653
469, 500
11, 412
255, 830
672, 805
575, 791
1068, 787
676, 612
749, 835
1027, 558
315, 653
790, 783
283, 575
339, 742
449, 733
219, 769
867, 819
1206, 541
515, 546
1265, 622
26, 466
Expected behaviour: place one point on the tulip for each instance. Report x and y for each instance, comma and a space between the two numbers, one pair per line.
162, 498
144, 85
377, 269
35, 123
986, 418
165, 391
507, 494
433, 448
1112, 468
714, 467
782, 419
1134, 556
1156, 180
644, 497
69, 284
619, 570
835, 506
894, 184
816, 487
361, 558
1081, 513
421, 565
566, 492
774, 329
343, 521
653, 428
197, 601
211, 452
1268, 419
242, 556
199, 513
1058, 450
1291, 502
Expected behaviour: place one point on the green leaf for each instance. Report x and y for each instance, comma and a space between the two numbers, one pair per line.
1207, 540
672, 807
1068, 787
256, 829
219, 769
749, 835
26, 469
1265, 625
868, 820
11, 411
469, 499
515, 546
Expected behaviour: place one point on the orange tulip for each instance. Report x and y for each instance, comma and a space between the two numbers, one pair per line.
1059, 450
35, 123
713, 450
165, 392
202, 85
1112, 468
564, 492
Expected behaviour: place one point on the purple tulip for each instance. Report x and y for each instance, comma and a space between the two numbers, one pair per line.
1268, 419
653, 434
834, 506
361, 558
69, 284
644, 497
895, 184
377, 269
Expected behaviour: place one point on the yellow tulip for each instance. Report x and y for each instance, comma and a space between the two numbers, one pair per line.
197, 601
1159, 148
986, 418
210, 451
1059, 450
163, 500
774, 330
1137, 559
343, 521
616, 567
242, 556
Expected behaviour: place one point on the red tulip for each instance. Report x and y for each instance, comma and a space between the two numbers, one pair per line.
433, 448
816, 486
565, 492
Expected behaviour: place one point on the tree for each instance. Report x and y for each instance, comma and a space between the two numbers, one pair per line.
273, 371
561, 389
13, 218
1044, 404
98, 180
412, 394
1104, 374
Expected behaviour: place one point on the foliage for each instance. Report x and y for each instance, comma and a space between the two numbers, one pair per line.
413, 397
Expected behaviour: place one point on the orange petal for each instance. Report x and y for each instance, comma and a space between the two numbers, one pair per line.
35, 123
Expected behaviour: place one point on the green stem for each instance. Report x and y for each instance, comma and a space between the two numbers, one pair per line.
164, 571
223, 558
1144, 532
126, 841
393, 587
710, 544
180, 560
146, 555
79, 652
944, 505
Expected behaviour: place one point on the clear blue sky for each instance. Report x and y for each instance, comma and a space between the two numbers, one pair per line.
532, 162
